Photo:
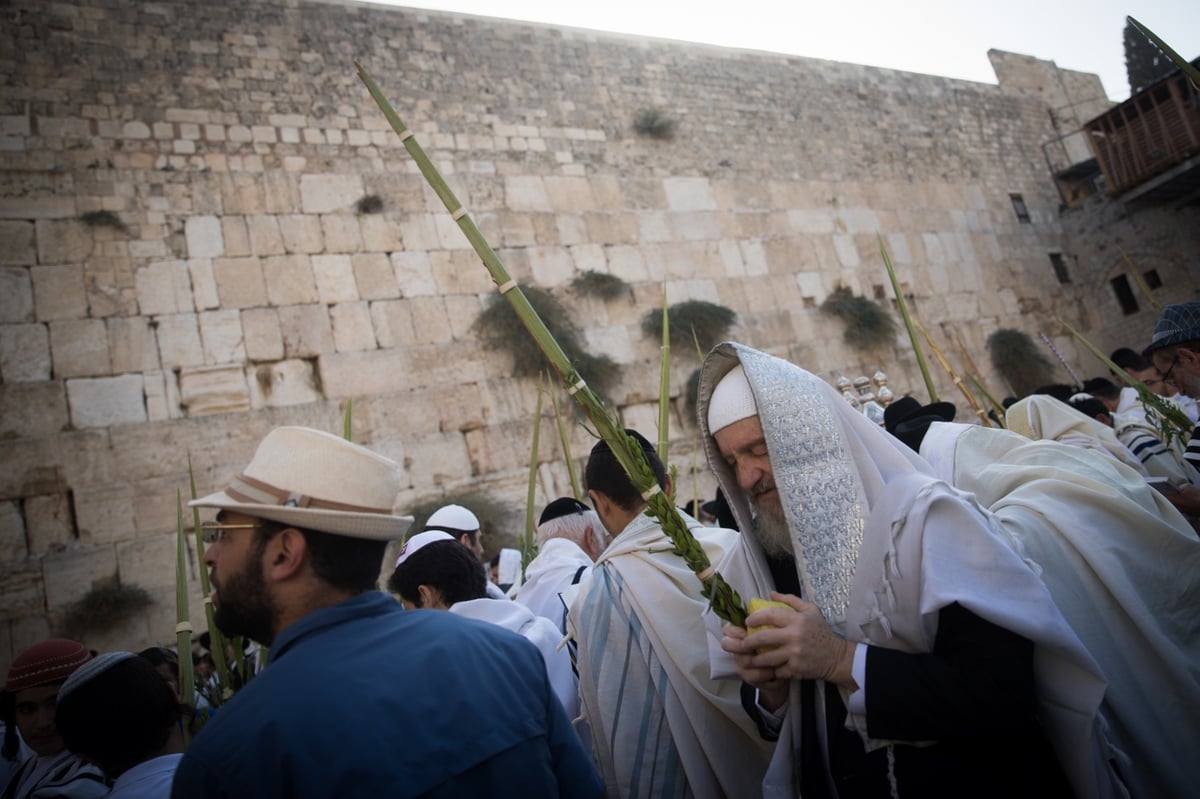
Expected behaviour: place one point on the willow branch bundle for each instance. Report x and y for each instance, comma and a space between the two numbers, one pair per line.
525, 542
1170, 420
908, 325
664, 383
565, 441
724, 600
215, 637
937, 353
183, 618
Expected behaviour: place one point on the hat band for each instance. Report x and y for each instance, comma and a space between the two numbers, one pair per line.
247, 489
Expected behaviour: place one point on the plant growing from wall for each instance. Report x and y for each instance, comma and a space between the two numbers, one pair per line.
103, 219
693, 323
1019, 360
867, 323
500, 328
600, 285
369, 204
103, 608
654, 123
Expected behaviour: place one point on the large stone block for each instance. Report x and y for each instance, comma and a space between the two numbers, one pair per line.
164, 287
59, 292
342, 233
221, 336
334, 275
289, 280
204, 284
22, 595
106, 401
213, 389
352, 327
430, 323
461, 312
419, 232
393, 322
375, 276
49, 523
240, 282
265, 238
80, 348
236, 236
67, 576
281, 384
13, 546
149, 562
204, 236
179, 341
18, 241
262, 336
437, 459
526, 193
306, 330
162, 396
323, 194
16, 295
460, 272
379, 233
301, 233
65, 241
32, 409
24, 353
414, 274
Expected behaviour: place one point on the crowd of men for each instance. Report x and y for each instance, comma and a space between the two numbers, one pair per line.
955, 610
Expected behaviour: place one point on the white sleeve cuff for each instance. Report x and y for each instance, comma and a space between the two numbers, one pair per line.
772, 719
857, 704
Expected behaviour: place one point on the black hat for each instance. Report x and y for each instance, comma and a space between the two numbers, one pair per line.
907, 409
563, 506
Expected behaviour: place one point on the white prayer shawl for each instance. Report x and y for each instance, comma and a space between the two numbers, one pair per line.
881, 547
549, 574
659, 725
541, 632
1122, 564
1134, 430
1040, 416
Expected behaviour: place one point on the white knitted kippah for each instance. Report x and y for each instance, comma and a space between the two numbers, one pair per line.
92, 669
731, 401
420, 540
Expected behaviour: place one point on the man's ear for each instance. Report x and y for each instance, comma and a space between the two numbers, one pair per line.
285, 554
430, 597
591, 543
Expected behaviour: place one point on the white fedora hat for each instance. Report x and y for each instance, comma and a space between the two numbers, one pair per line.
317, 481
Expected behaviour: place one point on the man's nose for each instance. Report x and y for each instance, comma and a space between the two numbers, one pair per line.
747, 475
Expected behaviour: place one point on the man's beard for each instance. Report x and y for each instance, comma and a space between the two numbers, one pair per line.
243, 606
770, 526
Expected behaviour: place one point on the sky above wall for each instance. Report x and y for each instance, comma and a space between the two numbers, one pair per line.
935, 37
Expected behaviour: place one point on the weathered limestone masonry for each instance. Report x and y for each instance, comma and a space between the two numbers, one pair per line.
234, 285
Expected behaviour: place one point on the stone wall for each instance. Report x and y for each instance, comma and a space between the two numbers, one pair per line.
185, 263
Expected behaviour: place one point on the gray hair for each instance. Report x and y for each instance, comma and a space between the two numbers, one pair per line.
573, 527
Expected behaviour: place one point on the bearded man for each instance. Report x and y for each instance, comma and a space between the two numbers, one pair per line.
360, 697
919, 654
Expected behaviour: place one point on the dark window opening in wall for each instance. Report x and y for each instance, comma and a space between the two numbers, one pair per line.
1060, 267
1120, 286
1020, 208
1153, 281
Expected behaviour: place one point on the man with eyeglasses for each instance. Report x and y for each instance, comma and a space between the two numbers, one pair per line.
360, 697
1175, 350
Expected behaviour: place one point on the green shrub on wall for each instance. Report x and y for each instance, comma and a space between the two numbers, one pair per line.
1019, 361
710, 323
868, 324
103, 608
500, 329
600, 285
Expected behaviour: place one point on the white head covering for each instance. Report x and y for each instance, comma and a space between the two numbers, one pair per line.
92, 669
453, 519
731, 401
414, 544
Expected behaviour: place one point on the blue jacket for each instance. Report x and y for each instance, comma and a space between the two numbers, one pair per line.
365, 699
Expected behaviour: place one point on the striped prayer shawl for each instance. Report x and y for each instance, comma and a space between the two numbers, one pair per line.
67, 778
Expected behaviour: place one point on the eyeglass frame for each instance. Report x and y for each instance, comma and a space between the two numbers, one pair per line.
1166, 376
214, 532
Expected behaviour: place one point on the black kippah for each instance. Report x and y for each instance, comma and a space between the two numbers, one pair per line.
563, 506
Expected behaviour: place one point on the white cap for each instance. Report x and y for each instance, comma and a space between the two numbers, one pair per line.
419, 540
92, 669
454, 519
731, 401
